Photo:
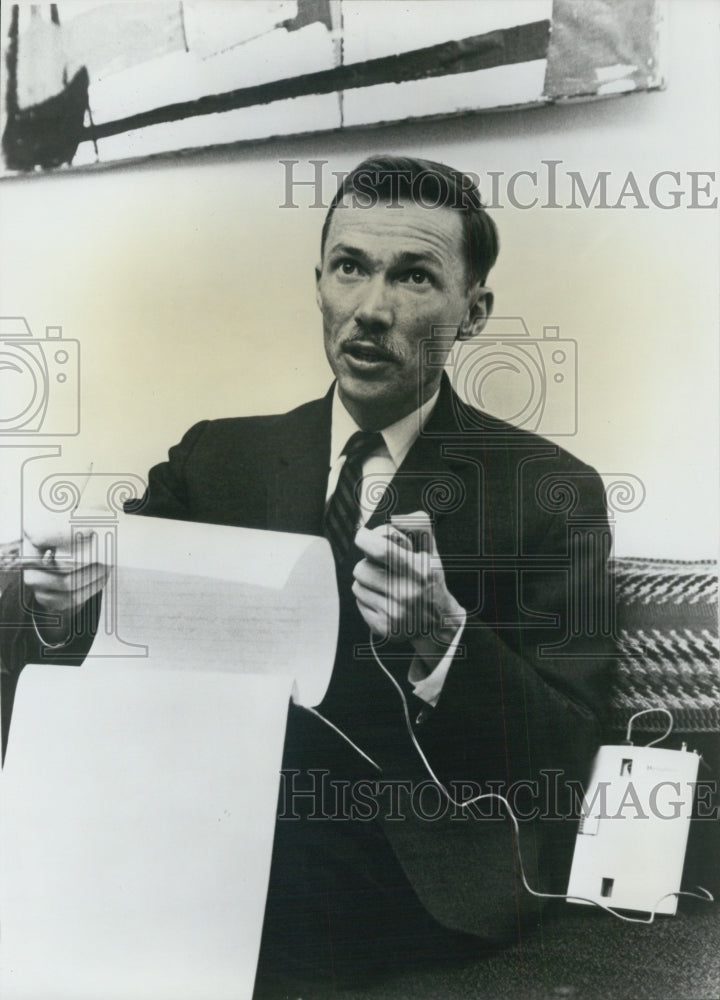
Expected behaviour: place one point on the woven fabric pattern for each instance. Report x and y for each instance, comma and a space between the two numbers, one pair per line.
667, 626
652, 581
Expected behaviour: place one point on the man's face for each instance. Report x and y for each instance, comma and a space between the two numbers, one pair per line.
389, 275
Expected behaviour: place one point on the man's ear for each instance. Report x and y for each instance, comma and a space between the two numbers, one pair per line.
318, 294
478, 312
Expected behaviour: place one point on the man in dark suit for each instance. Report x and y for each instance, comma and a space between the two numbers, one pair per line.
470, 562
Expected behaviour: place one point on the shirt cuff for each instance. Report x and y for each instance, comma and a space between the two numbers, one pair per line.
429, 687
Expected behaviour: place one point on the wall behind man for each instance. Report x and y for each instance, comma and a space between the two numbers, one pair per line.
190, 289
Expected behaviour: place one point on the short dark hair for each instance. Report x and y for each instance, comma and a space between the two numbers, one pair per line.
433, 185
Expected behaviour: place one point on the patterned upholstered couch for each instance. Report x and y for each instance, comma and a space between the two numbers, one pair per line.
667, 623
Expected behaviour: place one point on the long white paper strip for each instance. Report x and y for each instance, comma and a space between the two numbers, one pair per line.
139, 803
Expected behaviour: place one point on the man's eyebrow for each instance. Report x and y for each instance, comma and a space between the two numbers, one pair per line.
426, 257
406, 259
346, 250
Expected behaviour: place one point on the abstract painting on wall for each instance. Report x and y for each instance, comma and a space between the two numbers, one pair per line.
94, 82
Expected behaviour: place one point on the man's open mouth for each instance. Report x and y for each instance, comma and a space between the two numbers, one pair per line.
369, 353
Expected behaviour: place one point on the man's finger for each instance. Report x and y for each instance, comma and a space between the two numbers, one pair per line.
382, 543
372, 598
63, 580
373, 618
52, 542
53, 601
419, 530
67, 590
372, 576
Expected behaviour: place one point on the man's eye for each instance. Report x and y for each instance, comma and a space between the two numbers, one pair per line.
416, 277
348, 267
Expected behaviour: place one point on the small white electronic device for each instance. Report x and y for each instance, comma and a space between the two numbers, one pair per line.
631, 843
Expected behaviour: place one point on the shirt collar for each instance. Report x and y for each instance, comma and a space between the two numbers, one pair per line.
398, 437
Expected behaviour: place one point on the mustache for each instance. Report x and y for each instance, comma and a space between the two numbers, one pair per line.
382, 345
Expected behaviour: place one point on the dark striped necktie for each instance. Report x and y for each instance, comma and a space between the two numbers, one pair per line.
342, 512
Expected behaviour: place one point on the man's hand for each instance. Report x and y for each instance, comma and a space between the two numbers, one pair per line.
400, 586
63, 573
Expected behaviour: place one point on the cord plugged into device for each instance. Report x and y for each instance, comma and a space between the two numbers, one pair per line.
636, 811
633, 831
649, 711
631, 840
598, 876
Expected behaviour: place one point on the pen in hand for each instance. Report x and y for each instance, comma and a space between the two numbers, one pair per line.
11, 558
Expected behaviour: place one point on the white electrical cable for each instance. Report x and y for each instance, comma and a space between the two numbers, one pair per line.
340, 733
650, 711
494, 795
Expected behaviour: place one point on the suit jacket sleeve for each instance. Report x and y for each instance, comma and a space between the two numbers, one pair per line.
520, 697
167, 491
166, 496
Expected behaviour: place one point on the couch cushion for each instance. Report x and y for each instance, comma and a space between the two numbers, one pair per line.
667, 625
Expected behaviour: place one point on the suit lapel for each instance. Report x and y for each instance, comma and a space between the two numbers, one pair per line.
299, 470
432, 479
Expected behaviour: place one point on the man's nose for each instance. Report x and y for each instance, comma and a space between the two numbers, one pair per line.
375, 309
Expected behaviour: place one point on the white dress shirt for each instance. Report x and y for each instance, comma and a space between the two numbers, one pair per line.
381, 466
